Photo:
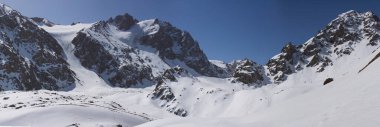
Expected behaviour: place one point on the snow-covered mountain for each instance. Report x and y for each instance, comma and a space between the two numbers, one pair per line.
336, 42
126, 72
31, 58
328, 81
126, 52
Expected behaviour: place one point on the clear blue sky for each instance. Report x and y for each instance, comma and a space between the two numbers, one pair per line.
225, 29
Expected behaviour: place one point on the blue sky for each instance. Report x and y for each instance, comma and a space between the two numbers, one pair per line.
225, 29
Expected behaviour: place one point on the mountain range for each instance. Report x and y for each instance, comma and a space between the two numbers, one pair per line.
126, 72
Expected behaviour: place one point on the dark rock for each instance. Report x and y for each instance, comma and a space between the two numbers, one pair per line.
288, 51
123, 22
94, 56
73, 125
374, 40
173, 43
74, 23
164, 92
180, 112
328, 80
248, 72
285, 62
311, 49
172, 72
42, 21
314, 61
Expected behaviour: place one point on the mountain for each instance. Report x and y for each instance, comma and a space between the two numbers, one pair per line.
31, 59
342, 44
336, 41
126, 52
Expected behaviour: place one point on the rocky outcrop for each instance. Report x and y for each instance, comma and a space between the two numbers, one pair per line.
328, 80
30, 58
173, 43
247, 72
164, 93
284, 63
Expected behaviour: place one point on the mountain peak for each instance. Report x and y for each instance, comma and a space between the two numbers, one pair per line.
350, 12
42, 21
339, 38
123, 22
6, 10
356, 16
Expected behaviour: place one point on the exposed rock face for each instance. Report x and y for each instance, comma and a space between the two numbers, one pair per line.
247, 72
42, 21
118, 70
336, 40
284, 62
164, 93
30, 58
170, 74
173, 43
124, 51
123, 22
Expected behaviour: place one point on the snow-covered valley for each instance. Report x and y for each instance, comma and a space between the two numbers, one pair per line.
151, 74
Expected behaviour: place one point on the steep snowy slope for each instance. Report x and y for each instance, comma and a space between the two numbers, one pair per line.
31, 59
86, 80
350, 32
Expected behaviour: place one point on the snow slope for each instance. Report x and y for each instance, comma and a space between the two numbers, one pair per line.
349, 101
46, 108
86, 80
